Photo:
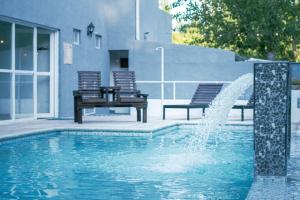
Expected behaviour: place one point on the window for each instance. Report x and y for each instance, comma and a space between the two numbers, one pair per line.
24, 48
77, 36
98, 41
124, 63
5, 45
43, 50
5, 96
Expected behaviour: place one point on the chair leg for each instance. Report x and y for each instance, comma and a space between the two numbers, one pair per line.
188, 114
138, 114
75, 115
144, 115
79, 116
242, 114
164, 113
75, 110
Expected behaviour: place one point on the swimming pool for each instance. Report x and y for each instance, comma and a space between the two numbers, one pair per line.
68, 165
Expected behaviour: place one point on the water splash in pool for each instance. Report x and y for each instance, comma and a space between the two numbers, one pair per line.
217, 113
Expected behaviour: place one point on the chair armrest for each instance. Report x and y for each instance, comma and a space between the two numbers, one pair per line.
77, 97
109, 89
80, 93
139, 94
76, 93
145, 96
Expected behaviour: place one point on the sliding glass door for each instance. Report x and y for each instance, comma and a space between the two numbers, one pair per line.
44, 71
6, 106
26, 71
24, 104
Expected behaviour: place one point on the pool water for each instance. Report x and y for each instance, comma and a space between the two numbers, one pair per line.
89, 166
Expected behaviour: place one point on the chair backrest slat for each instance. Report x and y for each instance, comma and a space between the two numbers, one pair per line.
206, 93
89, 80
126, 81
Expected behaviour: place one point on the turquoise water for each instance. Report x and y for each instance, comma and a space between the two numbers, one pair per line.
78, 166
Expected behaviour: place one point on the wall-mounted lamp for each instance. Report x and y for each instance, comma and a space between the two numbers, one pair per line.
90, 29
146, 35
1, 41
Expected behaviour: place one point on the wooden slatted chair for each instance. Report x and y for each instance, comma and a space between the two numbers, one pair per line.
129, 96
88, 94
202, 98
249, 105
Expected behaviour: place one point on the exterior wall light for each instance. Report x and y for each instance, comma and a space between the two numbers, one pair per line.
90, 29
146, 35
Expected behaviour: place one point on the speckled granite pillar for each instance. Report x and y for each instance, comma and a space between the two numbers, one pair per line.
271, 118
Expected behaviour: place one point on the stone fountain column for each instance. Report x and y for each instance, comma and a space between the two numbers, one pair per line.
272, 118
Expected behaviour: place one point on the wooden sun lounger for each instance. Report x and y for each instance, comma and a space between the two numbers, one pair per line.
204, 95
249, 105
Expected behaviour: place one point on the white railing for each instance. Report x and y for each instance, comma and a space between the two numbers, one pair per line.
175, 83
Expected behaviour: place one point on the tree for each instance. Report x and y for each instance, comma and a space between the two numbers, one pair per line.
257, 28
190, 34
164, 5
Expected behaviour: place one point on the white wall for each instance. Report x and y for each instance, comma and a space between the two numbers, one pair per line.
295, 110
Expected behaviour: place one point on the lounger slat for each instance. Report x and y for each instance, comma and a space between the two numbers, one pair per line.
206, 93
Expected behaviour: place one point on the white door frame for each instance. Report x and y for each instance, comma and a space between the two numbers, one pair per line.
53, 74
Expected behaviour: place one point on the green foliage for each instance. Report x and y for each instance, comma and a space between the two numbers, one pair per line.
296, 82
188, 35
164, 5
255, 28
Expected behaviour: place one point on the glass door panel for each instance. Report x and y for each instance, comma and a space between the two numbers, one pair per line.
24, 96
5, 45
43, 94
43, 50
5, 96
24, 48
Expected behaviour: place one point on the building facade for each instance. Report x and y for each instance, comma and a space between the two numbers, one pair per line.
44, 43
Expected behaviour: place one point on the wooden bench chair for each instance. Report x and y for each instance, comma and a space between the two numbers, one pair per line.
128, 95
88, 94
203, 96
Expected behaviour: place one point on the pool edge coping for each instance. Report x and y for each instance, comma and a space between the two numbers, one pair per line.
145, 131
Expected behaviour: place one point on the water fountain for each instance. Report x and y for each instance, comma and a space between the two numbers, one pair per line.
217, 114
271, 116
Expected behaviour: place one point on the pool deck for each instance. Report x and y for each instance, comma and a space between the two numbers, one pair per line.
99, 123
285, 188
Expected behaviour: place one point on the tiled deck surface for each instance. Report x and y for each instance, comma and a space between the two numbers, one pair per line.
281, 188
116, 122
125, 123
293, 180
